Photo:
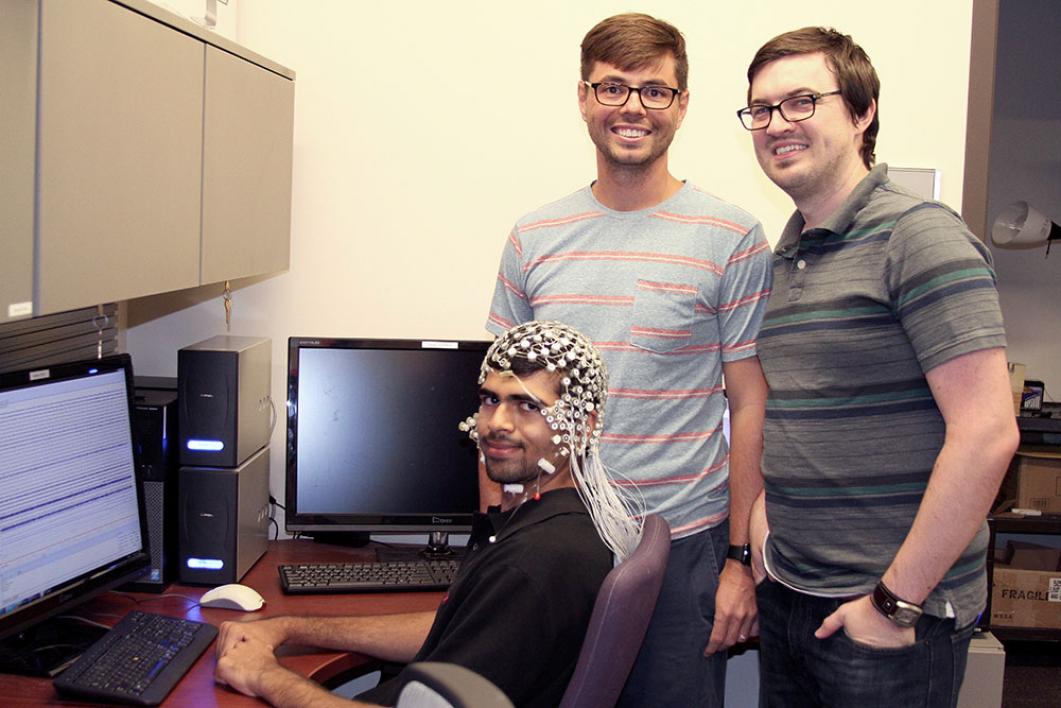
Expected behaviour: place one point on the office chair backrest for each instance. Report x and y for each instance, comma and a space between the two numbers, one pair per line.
620, 617
430, 684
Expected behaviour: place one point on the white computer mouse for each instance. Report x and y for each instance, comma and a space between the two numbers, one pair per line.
232, 597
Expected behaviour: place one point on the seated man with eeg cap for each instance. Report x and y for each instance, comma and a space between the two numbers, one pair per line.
519, 607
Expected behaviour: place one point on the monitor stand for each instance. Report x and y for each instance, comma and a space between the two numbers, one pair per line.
49, 647
437, 548
342, 538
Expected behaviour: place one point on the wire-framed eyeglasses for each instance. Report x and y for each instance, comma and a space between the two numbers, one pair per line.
793, 109
656, 97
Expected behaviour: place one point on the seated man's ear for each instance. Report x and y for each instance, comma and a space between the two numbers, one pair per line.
591, 422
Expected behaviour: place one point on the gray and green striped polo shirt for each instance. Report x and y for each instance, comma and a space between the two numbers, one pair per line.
668, 294
886, 289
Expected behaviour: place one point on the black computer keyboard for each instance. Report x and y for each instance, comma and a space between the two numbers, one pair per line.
388, 576
139, 660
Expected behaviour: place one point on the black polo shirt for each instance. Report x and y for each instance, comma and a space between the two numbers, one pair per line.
519, 607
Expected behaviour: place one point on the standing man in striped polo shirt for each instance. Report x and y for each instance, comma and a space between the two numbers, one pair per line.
889, 423
670, 283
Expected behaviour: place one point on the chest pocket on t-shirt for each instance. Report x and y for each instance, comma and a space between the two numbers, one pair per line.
663, 315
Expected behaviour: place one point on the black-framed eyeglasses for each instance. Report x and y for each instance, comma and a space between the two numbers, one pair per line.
793, 109
655, 97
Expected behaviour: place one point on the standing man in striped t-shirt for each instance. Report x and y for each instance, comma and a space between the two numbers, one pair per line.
889, 423
670, 283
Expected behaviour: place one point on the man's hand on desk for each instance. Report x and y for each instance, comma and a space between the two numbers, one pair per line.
270, 632
243, 663
248, 664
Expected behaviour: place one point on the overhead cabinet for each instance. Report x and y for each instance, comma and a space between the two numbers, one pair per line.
246, 169
18, 116
162, 156
120, 140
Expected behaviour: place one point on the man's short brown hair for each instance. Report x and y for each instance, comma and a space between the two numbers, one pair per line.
634, 41
859, 85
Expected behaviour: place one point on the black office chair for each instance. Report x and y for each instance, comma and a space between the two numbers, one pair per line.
620, 618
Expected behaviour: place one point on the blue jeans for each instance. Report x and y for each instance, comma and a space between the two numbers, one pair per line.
671, 669
796, 669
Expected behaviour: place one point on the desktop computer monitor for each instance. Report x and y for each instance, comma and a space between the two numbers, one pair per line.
71, 524
372, 440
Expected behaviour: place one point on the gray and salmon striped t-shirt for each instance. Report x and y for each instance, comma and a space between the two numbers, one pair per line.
888, 288
667, 294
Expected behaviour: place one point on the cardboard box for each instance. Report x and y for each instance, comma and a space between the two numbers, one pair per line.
1027, 598
1034, 481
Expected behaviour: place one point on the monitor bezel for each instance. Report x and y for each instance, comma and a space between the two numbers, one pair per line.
310, 524
86, 586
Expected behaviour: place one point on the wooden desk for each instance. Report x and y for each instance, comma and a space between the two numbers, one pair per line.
197, 688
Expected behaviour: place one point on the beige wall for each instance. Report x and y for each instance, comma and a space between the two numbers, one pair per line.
411, 164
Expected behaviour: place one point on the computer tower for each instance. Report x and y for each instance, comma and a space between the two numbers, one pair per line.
224, 520
154, 424
223, 393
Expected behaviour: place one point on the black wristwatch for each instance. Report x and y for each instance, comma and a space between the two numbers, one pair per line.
740, 553
899, 611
